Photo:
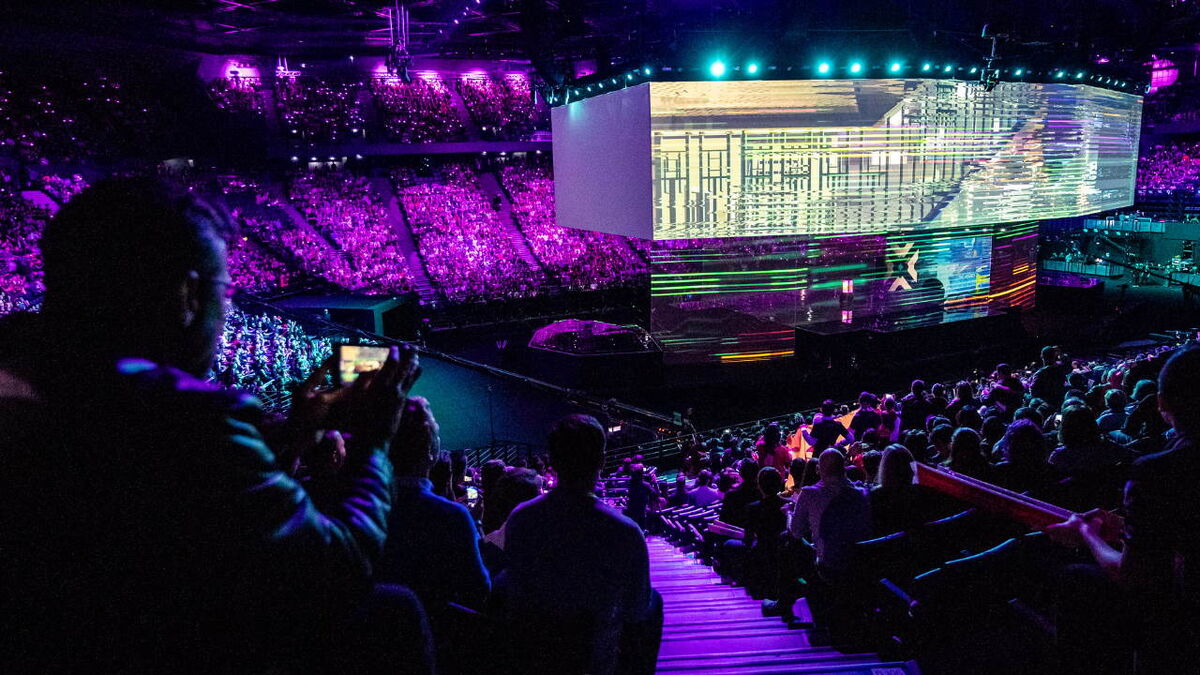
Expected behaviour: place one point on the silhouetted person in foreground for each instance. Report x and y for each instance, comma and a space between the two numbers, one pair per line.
145, 524
577, 585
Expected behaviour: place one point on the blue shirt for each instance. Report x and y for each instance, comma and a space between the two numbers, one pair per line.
433, 548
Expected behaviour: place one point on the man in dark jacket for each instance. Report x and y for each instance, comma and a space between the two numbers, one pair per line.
145, 524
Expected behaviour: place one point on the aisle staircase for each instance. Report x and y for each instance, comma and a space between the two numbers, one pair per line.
710, 627
490, 185
382, 187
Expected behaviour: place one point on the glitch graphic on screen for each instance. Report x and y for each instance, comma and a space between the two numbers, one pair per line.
707, 159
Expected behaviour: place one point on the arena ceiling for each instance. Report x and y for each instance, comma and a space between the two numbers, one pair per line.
617, 32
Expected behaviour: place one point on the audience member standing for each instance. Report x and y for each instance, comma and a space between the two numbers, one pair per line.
578, 579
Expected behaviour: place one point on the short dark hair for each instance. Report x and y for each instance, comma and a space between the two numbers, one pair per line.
576, 445
917, 386
124, 239
1048, 354
769, 481
1177, 386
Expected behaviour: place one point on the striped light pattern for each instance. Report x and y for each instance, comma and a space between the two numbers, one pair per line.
813, 157
742, 299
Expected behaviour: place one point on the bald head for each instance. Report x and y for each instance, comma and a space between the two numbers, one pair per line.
831, 465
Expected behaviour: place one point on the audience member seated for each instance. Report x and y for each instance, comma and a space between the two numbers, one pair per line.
576, 595
735, 503
771, 451
897, 503
703, 495
1142, 597
207, 556
835, 513
1082, 450
515, 487
1023, 466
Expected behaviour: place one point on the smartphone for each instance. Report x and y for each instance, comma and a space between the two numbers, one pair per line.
354, 360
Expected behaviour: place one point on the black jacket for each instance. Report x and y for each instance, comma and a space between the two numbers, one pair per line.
145, 525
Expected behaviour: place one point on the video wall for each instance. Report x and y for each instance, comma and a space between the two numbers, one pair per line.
740, 300
713, 159
822, 157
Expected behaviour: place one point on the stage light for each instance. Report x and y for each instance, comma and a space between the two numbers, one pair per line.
926, 68
947, 69
589, 87
1079, 75
974, 70
629, 76
646, 71
1058, 75
824, 68
752, 68
717, 69
895, 67
856, 67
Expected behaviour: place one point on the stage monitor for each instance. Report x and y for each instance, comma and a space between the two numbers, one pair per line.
719, 159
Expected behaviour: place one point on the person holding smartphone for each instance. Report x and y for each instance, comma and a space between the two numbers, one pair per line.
147, 526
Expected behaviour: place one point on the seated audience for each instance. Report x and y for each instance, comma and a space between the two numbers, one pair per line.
1144, 595
1082, 450
834, 512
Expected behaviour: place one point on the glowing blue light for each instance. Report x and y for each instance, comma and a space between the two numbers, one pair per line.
717, 68
646, 71
752, 68
947, 69
856, 67
1079, 75
824, 68
1019, 72
895, 67
926, 67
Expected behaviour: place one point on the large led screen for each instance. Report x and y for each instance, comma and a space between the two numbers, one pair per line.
736, 300
835, 157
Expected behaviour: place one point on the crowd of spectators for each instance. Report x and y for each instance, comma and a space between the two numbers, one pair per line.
341, 207
237, 94
314, 109
502, 107
1080, 434
266, 355
581, 260
462, 241
70, 116
420, 111
21, 225
1167, 168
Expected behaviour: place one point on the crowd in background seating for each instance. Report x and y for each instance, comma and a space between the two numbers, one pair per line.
581, 259
464, 245
420, 111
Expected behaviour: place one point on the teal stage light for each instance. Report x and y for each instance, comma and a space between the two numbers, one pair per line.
824, 68
717, 69
926, 68
856, 67
752, 69
895, 67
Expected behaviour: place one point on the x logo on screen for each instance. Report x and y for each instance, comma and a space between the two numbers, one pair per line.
901, 252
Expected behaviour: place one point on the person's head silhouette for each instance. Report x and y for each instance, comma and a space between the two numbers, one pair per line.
136, 268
